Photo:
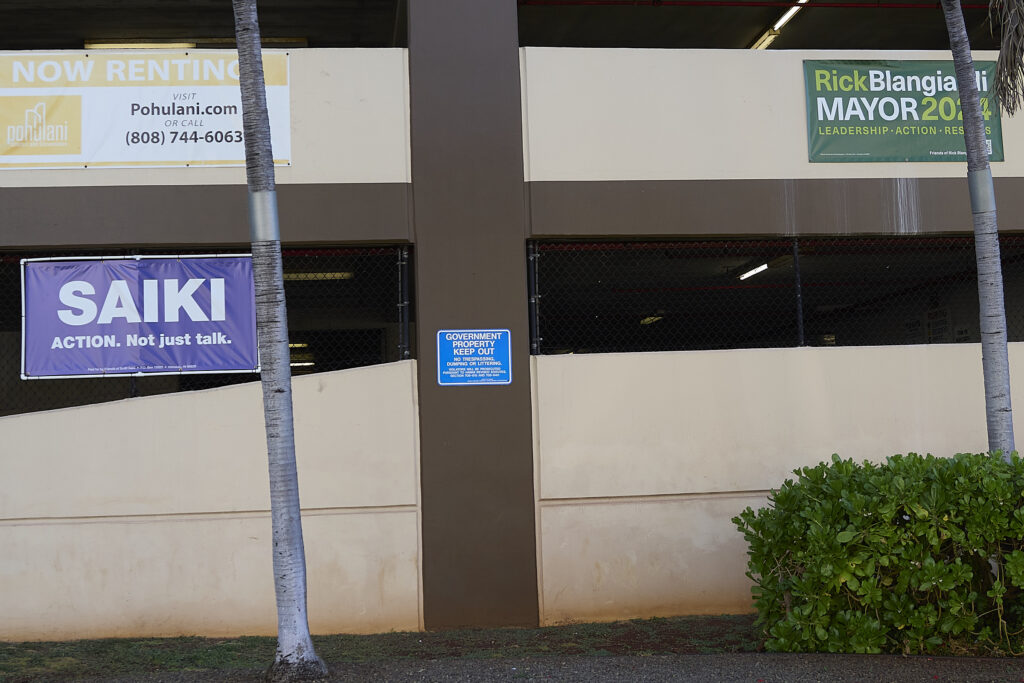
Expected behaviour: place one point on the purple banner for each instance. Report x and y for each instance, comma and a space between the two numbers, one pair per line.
151, 315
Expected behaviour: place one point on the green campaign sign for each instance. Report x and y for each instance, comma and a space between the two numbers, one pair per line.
859, 110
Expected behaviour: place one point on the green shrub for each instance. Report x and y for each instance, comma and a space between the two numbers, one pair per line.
914, 555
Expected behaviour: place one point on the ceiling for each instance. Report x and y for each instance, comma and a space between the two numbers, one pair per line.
66, 24
821, 24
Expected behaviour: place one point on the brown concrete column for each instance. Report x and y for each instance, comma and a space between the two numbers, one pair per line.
479, 553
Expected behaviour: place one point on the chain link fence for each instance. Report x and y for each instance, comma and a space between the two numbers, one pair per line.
599, 297
347, 307
352, 306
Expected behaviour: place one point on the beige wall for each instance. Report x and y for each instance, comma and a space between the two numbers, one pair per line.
588, 114
349, 124
150, 516
617, 114
643, 459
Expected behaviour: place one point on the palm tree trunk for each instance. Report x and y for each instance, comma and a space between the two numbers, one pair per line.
295, 659
994, 360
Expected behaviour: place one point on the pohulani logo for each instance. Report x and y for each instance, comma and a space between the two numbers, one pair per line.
37, 131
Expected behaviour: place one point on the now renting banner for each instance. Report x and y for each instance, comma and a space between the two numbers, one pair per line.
132, 109
122, 316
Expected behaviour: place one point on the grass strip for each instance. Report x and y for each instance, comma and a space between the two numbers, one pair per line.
113, 657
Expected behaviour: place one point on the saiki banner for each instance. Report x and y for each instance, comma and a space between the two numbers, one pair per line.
118, 316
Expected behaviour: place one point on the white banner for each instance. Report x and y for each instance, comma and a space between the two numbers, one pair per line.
132, 109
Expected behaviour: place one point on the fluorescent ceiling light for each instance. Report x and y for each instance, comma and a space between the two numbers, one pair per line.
131, 45
760, 269
319, 276
785, 18
298, 345
765, 40
282, 41
769, 36
302, 365
788, 15
187, 44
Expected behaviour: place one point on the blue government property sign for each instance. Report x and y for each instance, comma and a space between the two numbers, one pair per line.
474, 357
146, 315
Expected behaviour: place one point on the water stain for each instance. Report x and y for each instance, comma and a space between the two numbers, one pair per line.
906, 206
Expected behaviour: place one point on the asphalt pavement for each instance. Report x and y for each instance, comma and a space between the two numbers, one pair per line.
729, 668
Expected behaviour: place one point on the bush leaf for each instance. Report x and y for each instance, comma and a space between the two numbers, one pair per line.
845, 536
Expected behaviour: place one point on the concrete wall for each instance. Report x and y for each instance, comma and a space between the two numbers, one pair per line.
675, 143
348, 179
643, 459
588, 115
349, 124
150, 517
613, 114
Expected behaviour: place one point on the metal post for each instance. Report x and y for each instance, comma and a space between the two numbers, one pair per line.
133, 384
800, 341
403, 303
534, 297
